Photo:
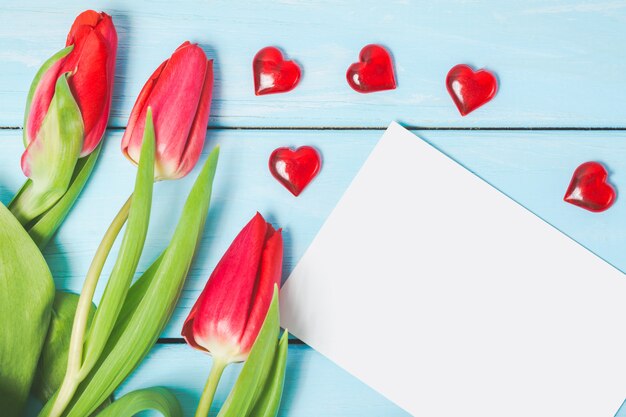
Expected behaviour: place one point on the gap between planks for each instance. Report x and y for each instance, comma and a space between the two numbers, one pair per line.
381, 128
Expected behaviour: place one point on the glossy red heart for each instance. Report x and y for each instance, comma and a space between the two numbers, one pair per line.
470, 89
589, 188
272, 73
295, 169
373, 72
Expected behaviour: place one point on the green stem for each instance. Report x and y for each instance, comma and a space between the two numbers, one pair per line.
79, 327
211, 385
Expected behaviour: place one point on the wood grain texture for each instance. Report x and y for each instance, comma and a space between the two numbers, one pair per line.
243, 186
536, 176
314, 386
559, 62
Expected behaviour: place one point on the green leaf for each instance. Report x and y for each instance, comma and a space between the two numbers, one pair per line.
53, 360
52, 156
135, 295
26, 296
252, 379
85, 348
146, 313
157, 399
45, 226
268, 403
33, 86
128, 257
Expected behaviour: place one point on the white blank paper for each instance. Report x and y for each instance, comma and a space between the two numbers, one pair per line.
452, 300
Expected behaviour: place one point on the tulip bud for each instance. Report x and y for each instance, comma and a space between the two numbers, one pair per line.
91, 64
179, 93
67, 110
226, 319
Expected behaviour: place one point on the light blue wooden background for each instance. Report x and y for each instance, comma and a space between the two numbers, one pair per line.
560, 64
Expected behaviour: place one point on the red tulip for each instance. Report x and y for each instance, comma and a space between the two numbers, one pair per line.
91, 64
229, 313
67, 110
179, 94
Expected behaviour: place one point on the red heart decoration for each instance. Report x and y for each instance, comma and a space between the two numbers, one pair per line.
470, 89
373, 72
272, 74
589, 188
295, 169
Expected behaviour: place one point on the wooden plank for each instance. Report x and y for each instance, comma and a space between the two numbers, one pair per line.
314, 386
560, 62
240, 191
533, 168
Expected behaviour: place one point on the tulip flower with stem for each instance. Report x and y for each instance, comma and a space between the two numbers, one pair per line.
144, 308
227, 317
178, 97
181, 113
66, 115
175, 104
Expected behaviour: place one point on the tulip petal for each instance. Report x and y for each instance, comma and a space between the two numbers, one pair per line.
95, 39
89, 84
109, 34
188, 333
131, 141
221, 312
174, 100
103, 24
270, 272
89, 18
107, 29
198, 132
253, 376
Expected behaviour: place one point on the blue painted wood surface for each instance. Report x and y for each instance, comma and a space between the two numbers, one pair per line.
559, 63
